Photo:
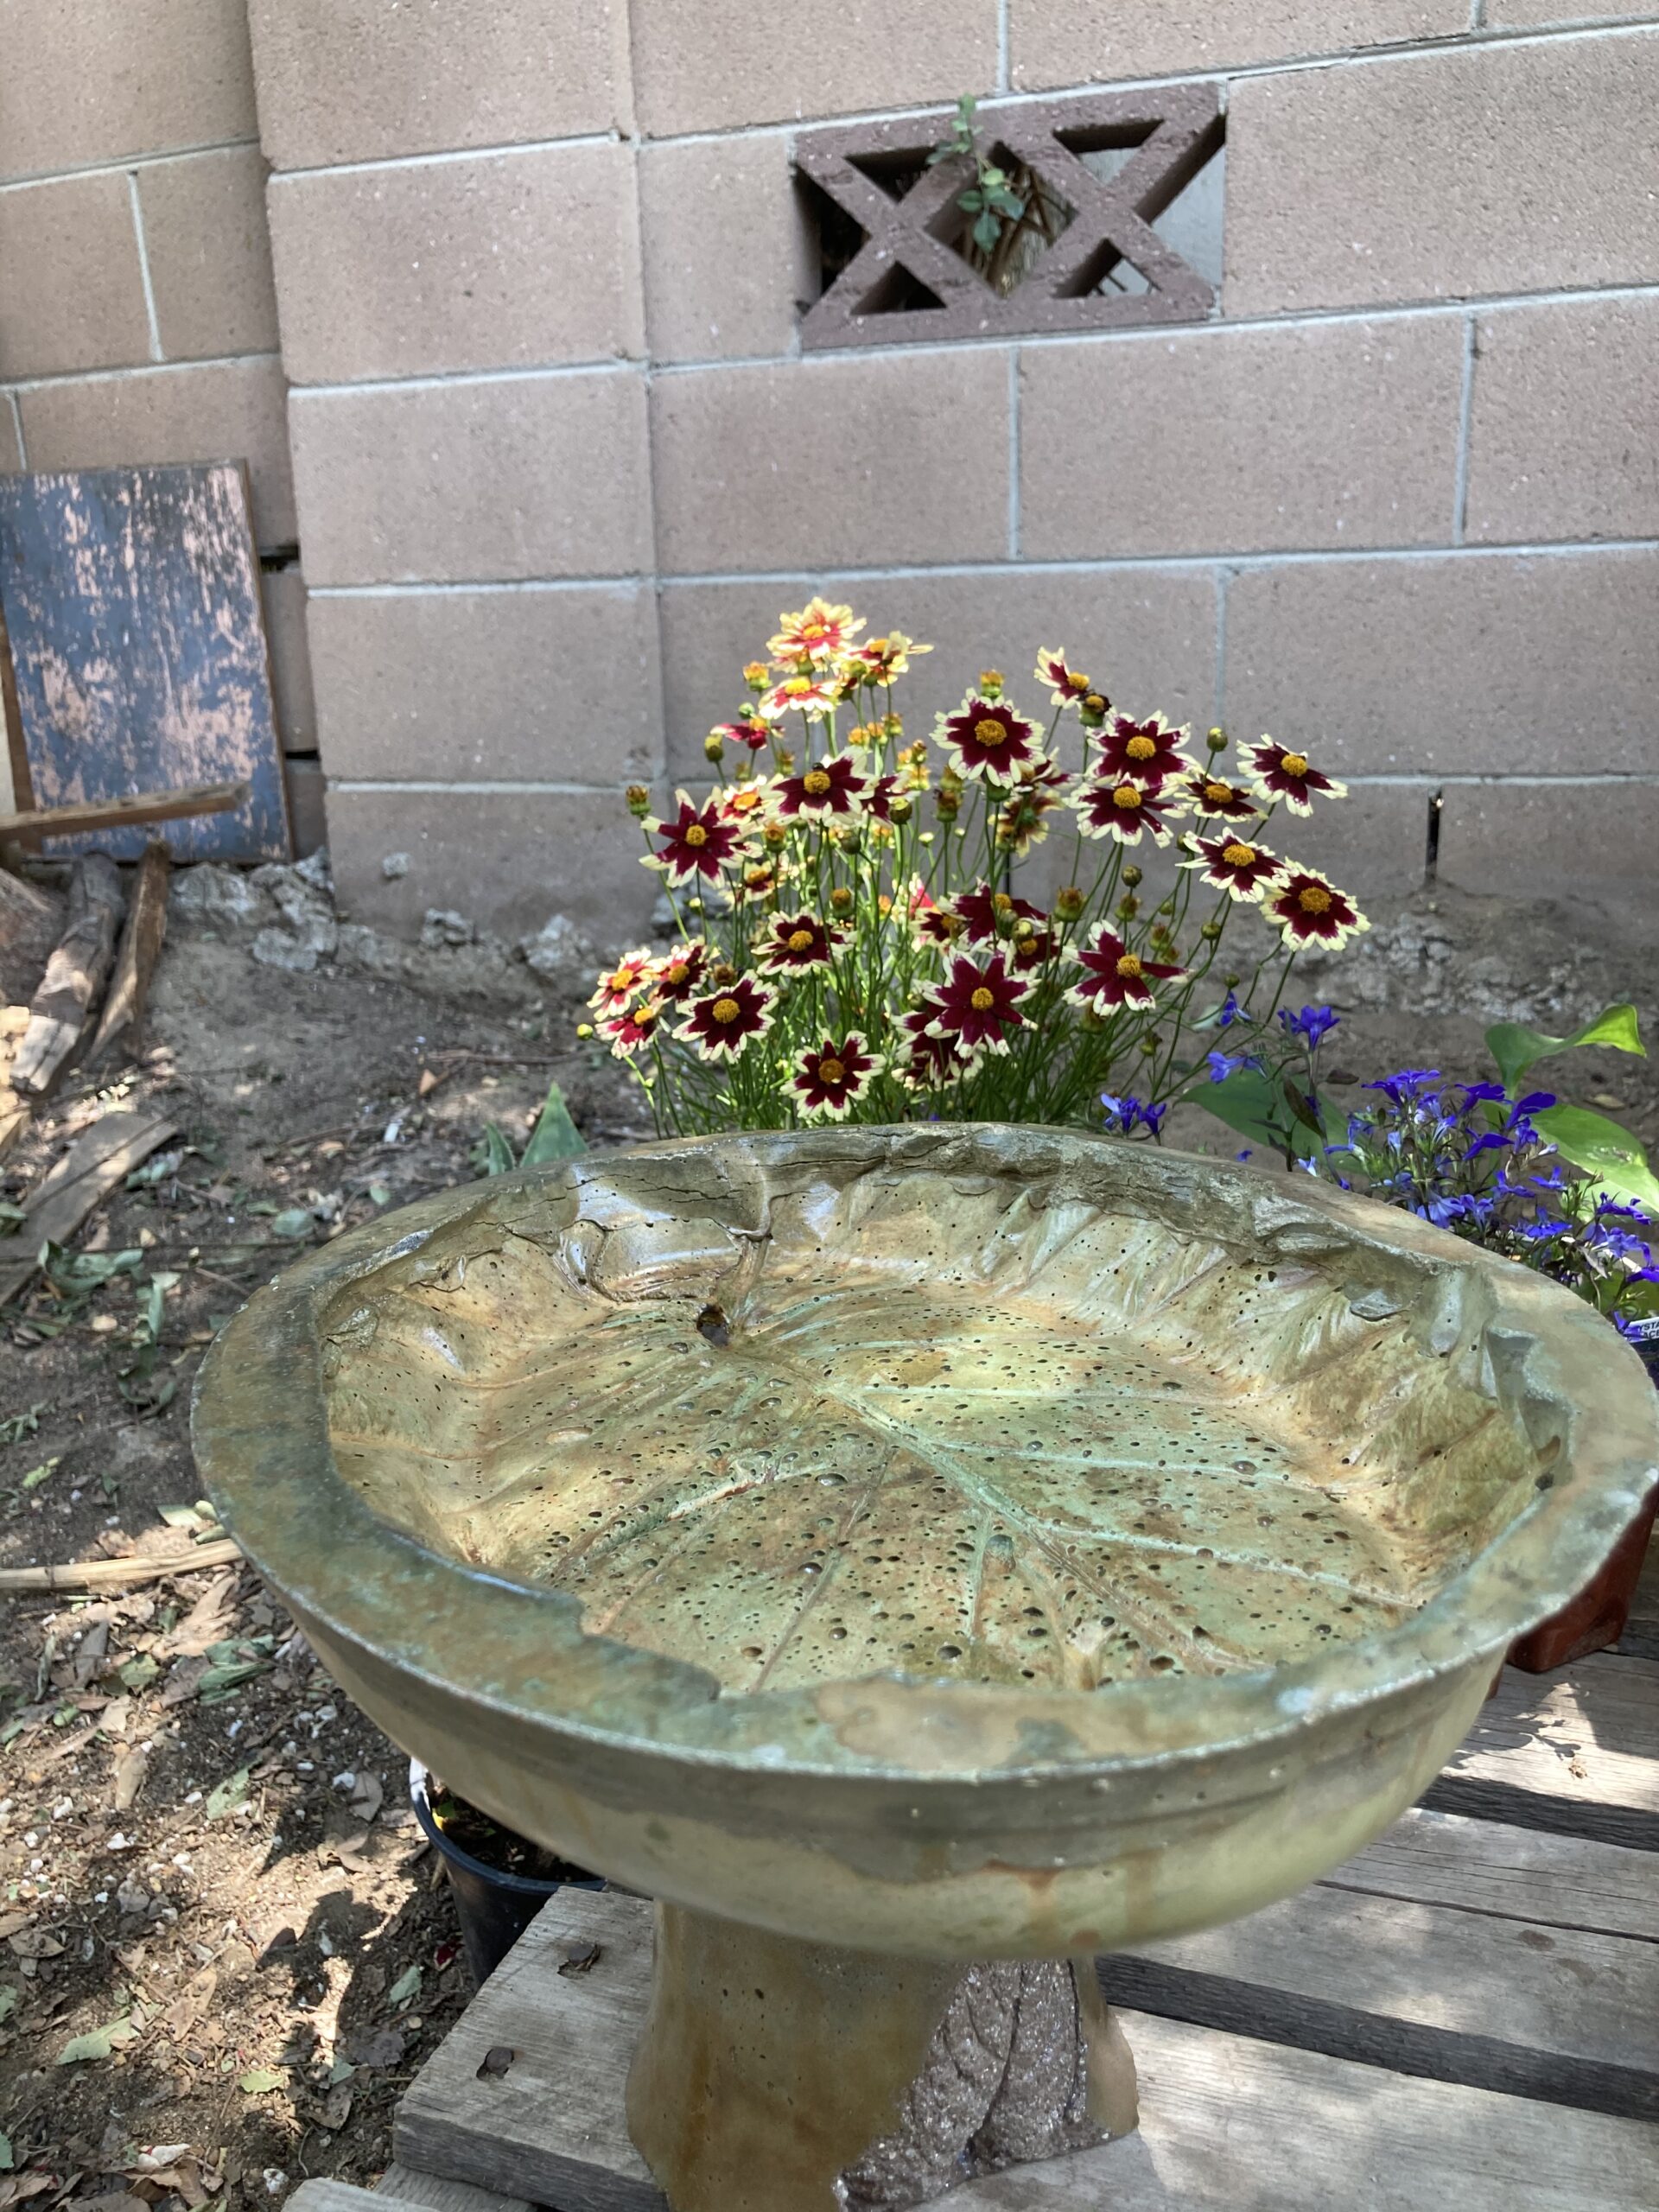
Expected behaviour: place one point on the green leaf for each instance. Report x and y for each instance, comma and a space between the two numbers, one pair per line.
1603, 1149
406, 1987
497, 1153
1514, 1047
293, 1223
36, 1476
555, 1136
138, 1674
260, 2081
7, 2159
97, 2043
1250, 1103
987, 231
231, 1793
8, 2000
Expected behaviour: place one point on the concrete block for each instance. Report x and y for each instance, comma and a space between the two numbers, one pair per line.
71, 278
1496, 168
209, 249
728, 63
1462, 664
1332, 434
897, 459
233, 411
1148, 635
525, 476
283, 592
1102, 41
726, 249
306, 819
1552, 840
506, 860
501, 261
539, 686
1561, 433
1523, 14
356, 80
1373, 842
98, 79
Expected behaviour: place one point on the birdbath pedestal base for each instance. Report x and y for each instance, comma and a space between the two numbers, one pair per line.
775, 2075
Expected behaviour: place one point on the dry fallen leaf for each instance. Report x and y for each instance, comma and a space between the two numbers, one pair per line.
367, 1796
35, 1943
428, 1083
130, 1771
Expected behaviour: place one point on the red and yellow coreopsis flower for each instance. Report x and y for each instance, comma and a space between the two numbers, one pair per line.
620, 984
677, 974
1149, 751
829, 1078
1286, 775
750, 729
721, 1021
1310, 909
748, 804
813, 693
699, 841
794, 942
1068, 686
988, 739
832, 786
1236, 866
987, 913
633, 1027
1113, 976
818, 633
1123, 807
978, 1003
931, 1061
1212, 796
879, 660
929, 924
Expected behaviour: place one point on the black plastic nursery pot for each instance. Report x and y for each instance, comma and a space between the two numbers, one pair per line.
494, 1907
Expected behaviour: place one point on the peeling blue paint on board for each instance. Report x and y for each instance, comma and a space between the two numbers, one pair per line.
132, 596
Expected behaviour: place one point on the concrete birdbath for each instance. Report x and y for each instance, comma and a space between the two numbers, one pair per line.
920, 1559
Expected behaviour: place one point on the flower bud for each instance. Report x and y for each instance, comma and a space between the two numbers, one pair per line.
841, 900
893, 724
1150, 1047
1232, 981
713, 745
1068, 903
724, 974
1211, 932
1131, 875
990, 683
948, 801
1216, 740
1128, 908
884, 904
584, 1029
774, 836
785, 760
1167, 907
1092, 712
901, 810
1090, 1020
757, 674
638, 800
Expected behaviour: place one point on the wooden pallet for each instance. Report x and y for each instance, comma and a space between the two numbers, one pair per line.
1467, 2012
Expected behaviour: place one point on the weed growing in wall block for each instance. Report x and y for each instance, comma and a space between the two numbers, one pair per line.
855, 941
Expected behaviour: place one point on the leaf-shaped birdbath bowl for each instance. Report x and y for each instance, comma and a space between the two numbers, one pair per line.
897, 1550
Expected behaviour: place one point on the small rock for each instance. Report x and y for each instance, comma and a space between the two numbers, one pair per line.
208, 892
309, 912
315, 870
440, 926
276, 948
394, 865
556, 949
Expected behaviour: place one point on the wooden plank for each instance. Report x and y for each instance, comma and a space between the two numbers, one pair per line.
1567, 2015
1488, 1866
132, 811
434, 2194
1229, 2123
99, 1158
1641, 1636
1577, 1752
138, 642
15, 783
60, 1009
141, 947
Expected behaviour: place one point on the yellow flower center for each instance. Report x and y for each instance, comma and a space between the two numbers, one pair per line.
678, 972
1295, 764
990, 732
983, 1000
697, 835
796, 684
1217, 794
1141, 748
800, 940
814, 783
1127, 797
1128, 967
813, 631
1314, 898
1002, 902
623, 980
745, 802
1238, 855
831, 1071
726, 1010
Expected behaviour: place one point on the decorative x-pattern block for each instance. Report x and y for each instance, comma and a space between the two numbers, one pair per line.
1173, 133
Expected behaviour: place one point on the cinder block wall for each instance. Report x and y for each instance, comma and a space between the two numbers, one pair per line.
138, 315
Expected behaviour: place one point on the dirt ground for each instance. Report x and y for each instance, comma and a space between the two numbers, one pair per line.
225, 1948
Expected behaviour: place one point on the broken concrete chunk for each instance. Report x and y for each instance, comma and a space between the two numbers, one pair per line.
307, 911
394, 865
276, 948
440, 926
209, 892
558, 947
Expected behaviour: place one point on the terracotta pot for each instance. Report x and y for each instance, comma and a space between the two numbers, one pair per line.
1595, 1617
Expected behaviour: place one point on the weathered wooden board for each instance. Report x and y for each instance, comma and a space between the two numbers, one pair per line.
135, 810
100, 1158
131, 597
1577, 1752
1229, 2123
434, 2194
1641, 1636
1554, 1881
